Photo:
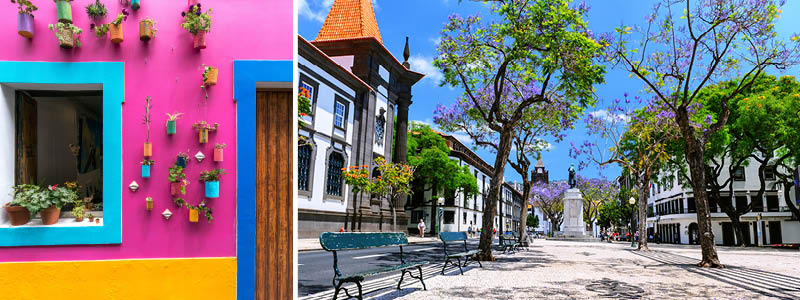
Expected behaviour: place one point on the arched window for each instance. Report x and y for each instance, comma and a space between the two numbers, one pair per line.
303, 167
335, 165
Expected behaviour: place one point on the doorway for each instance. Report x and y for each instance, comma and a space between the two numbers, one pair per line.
693, 234
727, 234
775, 232
274, 190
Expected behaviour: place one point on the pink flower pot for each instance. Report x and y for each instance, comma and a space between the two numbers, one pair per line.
200, 40
218, 154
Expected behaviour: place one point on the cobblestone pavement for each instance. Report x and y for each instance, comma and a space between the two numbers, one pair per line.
574, 270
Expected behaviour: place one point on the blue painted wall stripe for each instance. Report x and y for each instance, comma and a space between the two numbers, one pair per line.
246, 74
112, 76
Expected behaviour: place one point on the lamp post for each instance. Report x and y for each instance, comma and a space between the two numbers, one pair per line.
439, 214
632, 201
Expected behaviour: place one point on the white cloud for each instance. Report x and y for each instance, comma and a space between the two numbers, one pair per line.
424, 65
609, 117
316, 12
436, 41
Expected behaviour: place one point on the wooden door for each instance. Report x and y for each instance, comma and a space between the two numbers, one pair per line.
274, 191
26, 139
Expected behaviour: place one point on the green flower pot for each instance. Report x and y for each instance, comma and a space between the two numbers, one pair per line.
64, 11
172, 127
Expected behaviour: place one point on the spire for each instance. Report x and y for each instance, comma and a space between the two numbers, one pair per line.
350, 19
406, 54
539, 163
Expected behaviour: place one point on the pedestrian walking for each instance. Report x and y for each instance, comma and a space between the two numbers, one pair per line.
421, 227
469, 231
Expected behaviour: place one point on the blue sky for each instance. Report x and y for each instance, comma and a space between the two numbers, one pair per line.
422, 22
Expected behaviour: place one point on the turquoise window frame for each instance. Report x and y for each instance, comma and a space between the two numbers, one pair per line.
111, 75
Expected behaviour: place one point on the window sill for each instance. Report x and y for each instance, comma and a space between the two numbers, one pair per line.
62, 222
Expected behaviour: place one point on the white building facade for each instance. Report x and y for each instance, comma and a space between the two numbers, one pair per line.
672, 211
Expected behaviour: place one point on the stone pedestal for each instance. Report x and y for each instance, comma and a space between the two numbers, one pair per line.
573, 225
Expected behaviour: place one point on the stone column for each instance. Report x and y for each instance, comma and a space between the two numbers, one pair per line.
401, 127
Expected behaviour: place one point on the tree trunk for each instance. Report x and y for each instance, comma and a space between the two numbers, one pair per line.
523, 215
644, 190
694, 157
490, 207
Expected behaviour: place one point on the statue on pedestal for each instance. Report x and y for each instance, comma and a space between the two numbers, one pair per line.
572, 181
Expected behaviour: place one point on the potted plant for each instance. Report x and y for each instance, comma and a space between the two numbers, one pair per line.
198, 23
57, 197
96, 11
135, 4
147, 29
68, 34
115, 27
97, 221
194, 215
177, 179
27, 200
203, 128
91, 217
218, 152
146, 165
64, 11
25, 17
209, 75
183, 157
148, 203
79, 212
172, 123
148, 147
211, 179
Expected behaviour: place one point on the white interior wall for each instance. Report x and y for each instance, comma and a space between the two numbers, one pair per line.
7, 104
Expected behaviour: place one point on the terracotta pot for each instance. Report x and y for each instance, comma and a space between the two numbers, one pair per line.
115, 32
97, 221
149, 203
194, 215
64, 9
91, 219
78, 219
65, 38
211, 77
200, 40
18, 215
148, 149
145, 30
50, 215
174, 188
203, 136
25, 25
218, 154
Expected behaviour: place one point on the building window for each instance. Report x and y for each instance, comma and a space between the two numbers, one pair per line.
303, 167
339, 114
769, 173
415, 217
772, 203
335, 165
464, 218
310, 88
449, 217
738, 174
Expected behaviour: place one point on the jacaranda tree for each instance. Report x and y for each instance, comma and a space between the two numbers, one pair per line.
527, 53
687, 45
550, 199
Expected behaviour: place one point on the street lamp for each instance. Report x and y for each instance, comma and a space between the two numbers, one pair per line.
632, 201
440, 213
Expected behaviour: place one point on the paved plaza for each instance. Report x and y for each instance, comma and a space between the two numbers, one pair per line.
573, 270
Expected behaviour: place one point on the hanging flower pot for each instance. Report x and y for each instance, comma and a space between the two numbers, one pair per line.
115, 32
148, 203
64, 11
18, 215
50, 215
212, 189
146, 165
210, 76
135, 4
203, 128
181, 162
194, 215
203, 138
65, 35
172, 123
148, 149
147, 29
218, 154
25, 24
199, 40
174, 188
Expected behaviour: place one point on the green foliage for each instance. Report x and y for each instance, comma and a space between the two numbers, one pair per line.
152, 24
195, 20
176, 173
147, 162
211, 175
25, 6
533, 220
79, 211
120, 17
357, 177
60, 196
429, 154
100, 30
76, 31
96, 9
173, 117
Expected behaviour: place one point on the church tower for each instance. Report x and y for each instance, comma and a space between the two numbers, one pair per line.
539, 174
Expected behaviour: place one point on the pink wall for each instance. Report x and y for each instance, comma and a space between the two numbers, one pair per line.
167, 69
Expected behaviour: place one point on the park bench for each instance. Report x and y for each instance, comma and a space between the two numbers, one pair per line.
341, 241
521, 242
467, 254
507, 243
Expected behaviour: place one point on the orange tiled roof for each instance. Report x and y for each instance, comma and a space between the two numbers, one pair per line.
350, 19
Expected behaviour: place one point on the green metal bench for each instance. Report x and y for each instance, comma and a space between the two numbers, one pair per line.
507, 243
467, 254
521, 242
340, 241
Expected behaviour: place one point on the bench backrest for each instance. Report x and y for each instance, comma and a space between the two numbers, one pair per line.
452, 236
335, 241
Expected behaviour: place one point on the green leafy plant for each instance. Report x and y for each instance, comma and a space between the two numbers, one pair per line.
60, 196
206, 69
220, 146
96, 9
90, 216
123, 16
25, 6
199, 125
147, 162
195, 20
99, 30
211, 175
202, 206
28, 196
173, 117
76, 31
78, 211
176, 173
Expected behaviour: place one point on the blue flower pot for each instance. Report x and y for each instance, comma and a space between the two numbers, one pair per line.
145, 171
135, 4
181, 162
212, 189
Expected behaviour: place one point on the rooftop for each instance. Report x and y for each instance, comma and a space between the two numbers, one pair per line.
349, 19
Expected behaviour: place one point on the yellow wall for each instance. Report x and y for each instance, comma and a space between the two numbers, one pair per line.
190, 278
